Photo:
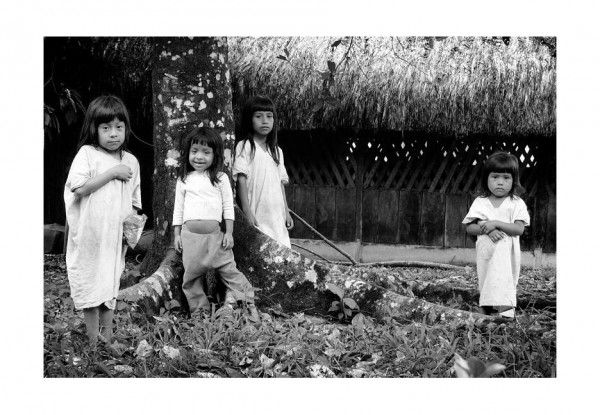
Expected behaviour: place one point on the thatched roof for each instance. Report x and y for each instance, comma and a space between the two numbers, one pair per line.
453, 85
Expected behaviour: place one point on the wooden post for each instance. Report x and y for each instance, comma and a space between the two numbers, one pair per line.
358, 182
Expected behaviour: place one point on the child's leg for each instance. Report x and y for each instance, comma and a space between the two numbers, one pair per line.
106, 322
91, 317
238, 286
195, 253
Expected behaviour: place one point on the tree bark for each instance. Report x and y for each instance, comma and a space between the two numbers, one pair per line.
190, 88
299, 284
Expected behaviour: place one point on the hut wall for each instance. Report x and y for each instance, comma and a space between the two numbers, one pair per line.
411, 189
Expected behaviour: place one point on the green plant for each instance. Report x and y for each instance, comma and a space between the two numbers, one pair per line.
475, 368
345, 307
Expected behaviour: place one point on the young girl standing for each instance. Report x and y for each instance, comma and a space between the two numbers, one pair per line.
203, 197
102, 189
260, 172
498, 217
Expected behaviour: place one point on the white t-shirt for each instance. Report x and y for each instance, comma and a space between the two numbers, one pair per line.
198, 199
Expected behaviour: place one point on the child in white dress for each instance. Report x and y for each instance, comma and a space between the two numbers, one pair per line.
498, 217
260, 172
203, 197
102, 189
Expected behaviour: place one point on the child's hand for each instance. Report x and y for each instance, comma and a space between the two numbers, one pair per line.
488, 226
289, 222
227, 241
177, 243
122, 172
496, 235
251, 218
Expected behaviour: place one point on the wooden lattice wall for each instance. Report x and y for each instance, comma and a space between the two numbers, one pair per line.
411, 189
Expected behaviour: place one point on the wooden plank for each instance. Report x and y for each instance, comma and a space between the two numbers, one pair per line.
385, 167
448, 150
325, 211
469, 240
475, 172
370, 215
432, 155
528, 238
334, 167
467, 166
387, 224
345, 220
344, 167
289, 196
457, 207
415, 172
550, 243
292, 169
305, 208
432, 219
393, 173
409, 214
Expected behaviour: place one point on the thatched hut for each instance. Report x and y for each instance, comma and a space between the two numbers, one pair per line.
384, 137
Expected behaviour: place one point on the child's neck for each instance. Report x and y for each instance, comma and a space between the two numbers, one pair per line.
260, 139
496, 201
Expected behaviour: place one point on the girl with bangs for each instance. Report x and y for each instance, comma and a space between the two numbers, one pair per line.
102, 189
203, 197
498, 217
260, 173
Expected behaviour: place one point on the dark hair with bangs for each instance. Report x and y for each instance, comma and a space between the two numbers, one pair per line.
254, 104
102, 110
501, 162
208, 137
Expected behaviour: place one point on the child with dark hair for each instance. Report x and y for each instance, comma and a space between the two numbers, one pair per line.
498, 217
102, 189
203, 197
260, 172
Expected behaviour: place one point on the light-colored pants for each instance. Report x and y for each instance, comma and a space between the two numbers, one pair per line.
204, 252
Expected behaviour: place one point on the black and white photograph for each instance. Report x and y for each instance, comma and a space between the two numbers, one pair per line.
346, 210
347, 206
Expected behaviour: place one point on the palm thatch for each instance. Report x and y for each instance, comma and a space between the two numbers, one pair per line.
453, 85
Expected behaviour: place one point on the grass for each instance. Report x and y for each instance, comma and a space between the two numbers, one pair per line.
282, 345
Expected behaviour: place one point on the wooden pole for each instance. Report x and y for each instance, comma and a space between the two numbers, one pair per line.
358, 181
327, 241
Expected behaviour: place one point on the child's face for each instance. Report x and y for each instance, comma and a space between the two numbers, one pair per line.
500, 184
262, 122
201, 157
111, 135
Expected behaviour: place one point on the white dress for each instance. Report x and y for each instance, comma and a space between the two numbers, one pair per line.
498, 264
95, 251
264, 178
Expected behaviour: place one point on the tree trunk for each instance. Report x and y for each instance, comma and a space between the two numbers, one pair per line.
286, 278
190, 88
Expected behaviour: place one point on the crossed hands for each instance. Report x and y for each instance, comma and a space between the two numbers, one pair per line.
490, 229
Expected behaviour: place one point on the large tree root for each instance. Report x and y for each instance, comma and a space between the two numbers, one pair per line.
284, 277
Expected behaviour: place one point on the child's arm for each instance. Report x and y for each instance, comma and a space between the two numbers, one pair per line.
120, 172
242, 191
177, 238
228, 237
178, 215
474, 229
511, 229
289, 222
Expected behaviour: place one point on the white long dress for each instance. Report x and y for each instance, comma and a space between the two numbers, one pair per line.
95, 251
264, 178
498, 264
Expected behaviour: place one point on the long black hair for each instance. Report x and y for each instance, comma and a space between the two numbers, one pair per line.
254, 104
501, 162
208, 137
102, 110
